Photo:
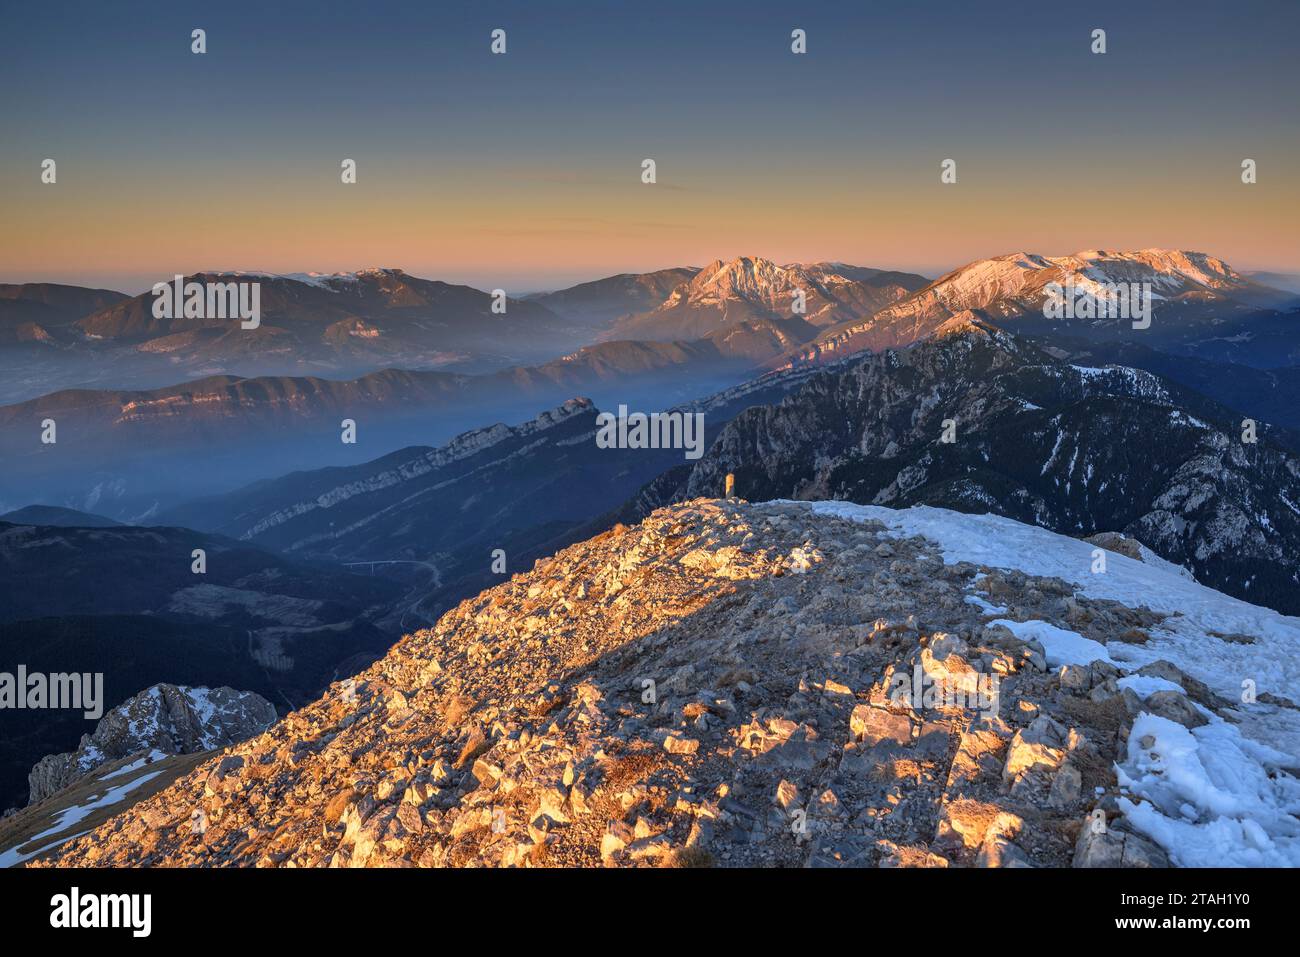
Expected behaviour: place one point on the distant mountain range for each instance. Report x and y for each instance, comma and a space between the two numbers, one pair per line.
310, 325
666, 337
375, 314
1201, 306
598, 304
757, 291
743, 309
46, 312
52, 515
132, 454
128, 452
1288, 281
352, 324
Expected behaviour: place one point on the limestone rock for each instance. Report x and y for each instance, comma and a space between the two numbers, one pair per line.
1116, 846
164, 719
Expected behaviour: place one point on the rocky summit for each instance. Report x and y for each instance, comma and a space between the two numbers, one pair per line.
784, 684
161, 720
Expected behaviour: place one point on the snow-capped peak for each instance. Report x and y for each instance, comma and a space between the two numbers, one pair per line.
745, 277
1024, 275
756, 280
334, 279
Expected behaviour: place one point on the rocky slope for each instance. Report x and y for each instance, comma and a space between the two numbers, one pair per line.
727, 684
162, 720
1271, 395
1076, 449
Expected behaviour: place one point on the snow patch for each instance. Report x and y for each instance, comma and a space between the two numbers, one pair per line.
1060, 646
1216, 795
1210, 797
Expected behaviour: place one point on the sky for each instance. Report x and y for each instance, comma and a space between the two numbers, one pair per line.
523, 171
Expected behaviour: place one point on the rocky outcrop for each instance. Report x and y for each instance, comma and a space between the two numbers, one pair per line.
724, 684
164, 719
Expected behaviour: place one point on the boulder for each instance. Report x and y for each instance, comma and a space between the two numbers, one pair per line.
1116, 846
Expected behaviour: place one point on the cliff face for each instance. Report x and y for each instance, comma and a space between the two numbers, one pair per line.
162, 720
778, 684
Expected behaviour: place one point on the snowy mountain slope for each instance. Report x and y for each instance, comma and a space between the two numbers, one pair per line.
1193, 295
1221, 794
1005, 283
88, 802
1268, 394
753, 289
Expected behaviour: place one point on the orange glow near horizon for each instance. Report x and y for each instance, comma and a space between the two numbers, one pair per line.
556, 237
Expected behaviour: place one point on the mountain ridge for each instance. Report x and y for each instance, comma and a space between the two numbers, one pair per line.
1188, 288
717, 686
753, 289
1033, 438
